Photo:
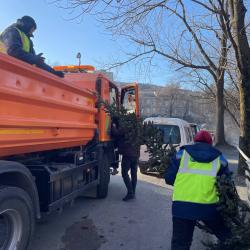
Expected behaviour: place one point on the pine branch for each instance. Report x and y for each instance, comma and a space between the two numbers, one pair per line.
137, 133
236, 216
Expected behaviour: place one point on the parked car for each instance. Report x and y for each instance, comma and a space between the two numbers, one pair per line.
176, 131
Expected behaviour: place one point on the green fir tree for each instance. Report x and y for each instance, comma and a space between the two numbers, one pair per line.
236, 214
138, 133
234, 211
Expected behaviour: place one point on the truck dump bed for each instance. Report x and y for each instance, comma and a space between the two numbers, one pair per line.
40, 111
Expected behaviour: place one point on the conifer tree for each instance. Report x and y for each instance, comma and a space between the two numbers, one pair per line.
235, 212
137, 133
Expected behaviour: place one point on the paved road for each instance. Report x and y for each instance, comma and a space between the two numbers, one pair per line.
111, 224
232, 155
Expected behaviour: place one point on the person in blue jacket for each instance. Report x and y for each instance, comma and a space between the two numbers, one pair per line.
192, 172
16, 41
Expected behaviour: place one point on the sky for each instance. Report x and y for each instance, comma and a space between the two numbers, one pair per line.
60, 38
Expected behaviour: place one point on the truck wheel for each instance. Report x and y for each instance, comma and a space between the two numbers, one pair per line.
17, 220
104, 178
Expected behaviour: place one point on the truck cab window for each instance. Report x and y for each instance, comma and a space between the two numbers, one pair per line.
129, 102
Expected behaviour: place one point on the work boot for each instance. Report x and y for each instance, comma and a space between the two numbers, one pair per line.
115, 171
128, 197
59, 73
134, 189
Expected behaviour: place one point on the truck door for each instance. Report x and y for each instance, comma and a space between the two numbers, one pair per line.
108, 92
130, 98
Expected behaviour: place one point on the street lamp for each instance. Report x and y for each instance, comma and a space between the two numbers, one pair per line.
78, 56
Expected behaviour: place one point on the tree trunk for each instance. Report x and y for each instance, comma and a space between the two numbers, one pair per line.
220, 133
220, 77
244, 142
242, 53
171, 106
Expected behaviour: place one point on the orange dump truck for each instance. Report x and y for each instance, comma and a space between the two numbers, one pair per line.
54, 142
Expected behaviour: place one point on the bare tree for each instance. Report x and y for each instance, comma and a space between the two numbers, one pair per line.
237, 33
170, 29
208, 91
170, 93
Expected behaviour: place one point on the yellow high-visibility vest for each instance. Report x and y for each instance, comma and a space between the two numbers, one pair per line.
25, 43
3, 47
195, 181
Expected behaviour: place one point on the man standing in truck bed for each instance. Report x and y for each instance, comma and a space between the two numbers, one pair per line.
16, 41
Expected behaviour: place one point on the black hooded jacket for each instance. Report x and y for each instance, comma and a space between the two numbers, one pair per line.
13, 42
124, 148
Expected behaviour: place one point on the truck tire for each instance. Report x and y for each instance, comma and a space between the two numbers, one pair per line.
17, 218
104, 178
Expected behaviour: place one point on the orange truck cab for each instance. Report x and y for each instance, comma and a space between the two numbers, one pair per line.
54, 141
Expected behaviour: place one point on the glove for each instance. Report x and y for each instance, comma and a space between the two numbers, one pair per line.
59, 73
40, 59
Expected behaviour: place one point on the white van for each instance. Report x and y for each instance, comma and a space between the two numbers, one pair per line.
195, 128
177, 130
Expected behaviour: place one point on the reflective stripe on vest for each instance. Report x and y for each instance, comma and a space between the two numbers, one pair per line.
3, 47
25, 41
195, 181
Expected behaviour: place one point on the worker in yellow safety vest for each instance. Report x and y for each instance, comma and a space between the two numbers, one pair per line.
192, 172
16, 41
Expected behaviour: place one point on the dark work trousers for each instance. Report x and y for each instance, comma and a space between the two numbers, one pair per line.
129, 163
183, 230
